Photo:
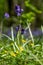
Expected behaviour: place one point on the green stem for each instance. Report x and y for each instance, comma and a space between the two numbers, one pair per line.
26, 43
18, 38
42, 41
16, 46
7, 36
30, 33
12, 33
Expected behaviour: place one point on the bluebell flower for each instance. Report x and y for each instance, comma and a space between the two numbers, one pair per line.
14, 35
18, 10
6, 15
37, 32
18, 14
25, 31
22, 31
17, 28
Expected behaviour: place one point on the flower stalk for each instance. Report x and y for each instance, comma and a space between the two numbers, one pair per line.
30, 32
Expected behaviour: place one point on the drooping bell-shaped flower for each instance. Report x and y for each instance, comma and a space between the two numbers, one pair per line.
6, 15
17, 28
22, 31
18, 10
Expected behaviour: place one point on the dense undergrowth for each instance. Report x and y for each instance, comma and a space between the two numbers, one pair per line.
23, 53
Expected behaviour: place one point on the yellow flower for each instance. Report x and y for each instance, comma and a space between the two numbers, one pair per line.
17, 52
23, 41
12, 54
21, 49
32, 44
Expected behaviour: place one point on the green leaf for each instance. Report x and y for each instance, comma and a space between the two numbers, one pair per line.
32, 7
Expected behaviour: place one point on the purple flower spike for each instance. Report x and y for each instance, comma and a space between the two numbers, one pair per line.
22, 31
6, 15
17, 6
18, 14
18, 10
17, 28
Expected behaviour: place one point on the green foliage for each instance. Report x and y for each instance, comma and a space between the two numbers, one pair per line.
28, 4
29, 16
30, 55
